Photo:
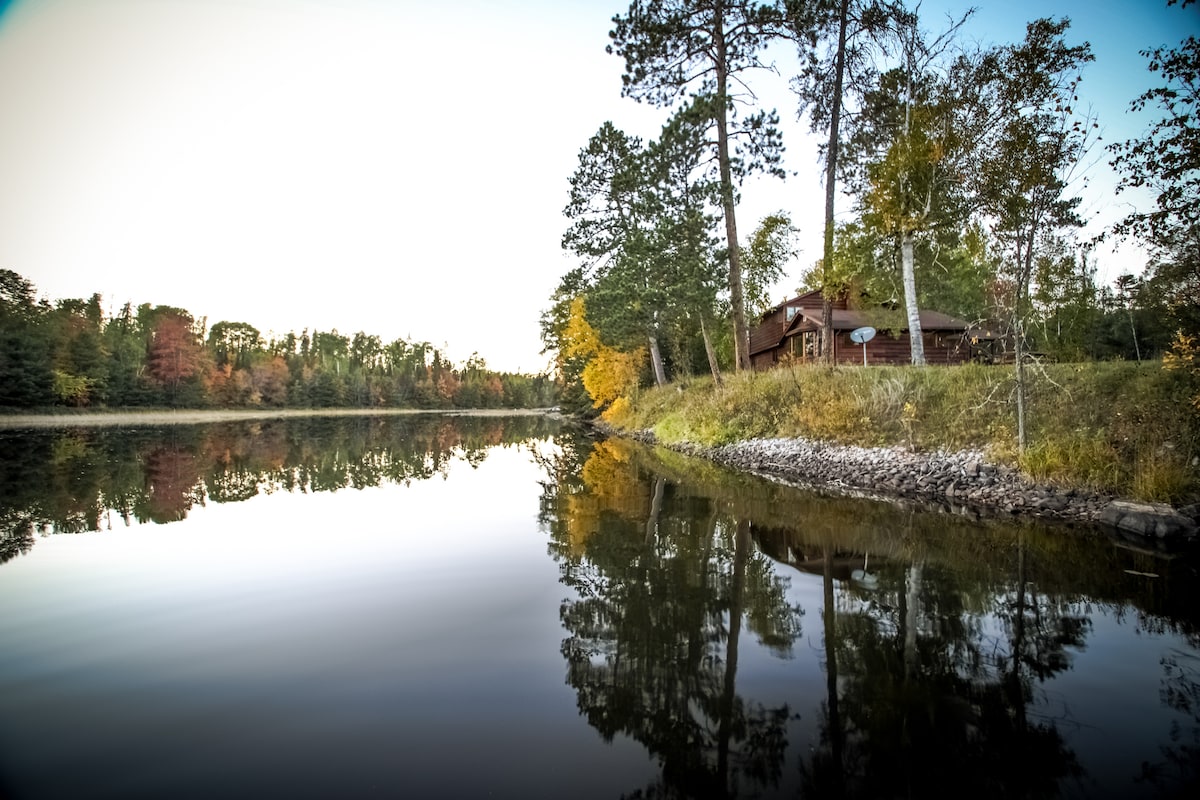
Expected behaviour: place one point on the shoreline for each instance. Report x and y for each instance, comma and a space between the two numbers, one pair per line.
958, 482
91, 419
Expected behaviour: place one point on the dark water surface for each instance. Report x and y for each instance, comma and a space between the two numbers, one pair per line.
470, 607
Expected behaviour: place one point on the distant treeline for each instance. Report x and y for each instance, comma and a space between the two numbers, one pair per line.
70, 353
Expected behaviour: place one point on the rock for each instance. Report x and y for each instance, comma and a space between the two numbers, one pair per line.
1148, 519
1051, 503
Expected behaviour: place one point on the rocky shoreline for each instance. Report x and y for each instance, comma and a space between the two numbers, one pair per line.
962, 482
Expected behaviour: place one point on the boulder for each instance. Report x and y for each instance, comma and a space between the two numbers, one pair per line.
1153, 520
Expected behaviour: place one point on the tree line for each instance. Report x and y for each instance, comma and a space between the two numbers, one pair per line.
71, 353
964, 167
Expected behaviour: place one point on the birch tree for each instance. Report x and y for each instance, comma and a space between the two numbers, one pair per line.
1028, 165
911, 144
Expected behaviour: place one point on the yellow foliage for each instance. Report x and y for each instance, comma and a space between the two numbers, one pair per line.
579, 337
618, 411
608, 373
611, 374
1185, 355
611, 486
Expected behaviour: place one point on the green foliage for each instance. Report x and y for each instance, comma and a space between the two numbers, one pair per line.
678, 48
772, 245
1166, 158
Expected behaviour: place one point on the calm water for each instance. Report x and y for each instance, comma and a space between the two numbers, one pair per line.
432, 606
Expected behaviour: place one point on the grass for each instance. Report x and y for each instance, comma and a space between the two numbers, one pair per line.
1119, 427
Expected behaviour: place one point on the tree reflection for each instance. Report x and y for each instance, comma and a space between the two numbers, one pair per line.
925, 698
663, 584
938, 661
71, 480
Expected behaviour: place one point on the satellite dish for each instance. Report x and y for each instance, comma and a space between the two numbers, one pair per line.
862, 335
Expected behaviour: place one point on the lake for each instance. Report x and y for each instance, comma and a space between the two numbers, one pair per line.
437, 606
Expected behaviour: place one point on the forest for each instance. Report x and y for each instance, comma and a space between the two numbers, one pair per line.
70, 353
960, 169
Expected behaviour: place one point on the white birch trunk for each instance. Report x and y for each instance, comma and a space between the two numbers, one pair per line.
908, 272
660, 374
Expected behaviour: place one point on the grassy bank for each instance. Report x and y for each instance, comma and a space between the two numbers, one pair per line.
1118, 427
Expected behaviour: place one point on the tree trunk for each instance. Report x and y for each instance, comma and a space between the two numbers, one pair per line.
656, 503
831, 669
1024, 271
737, 592
741, 332
660, 374
831, 157
908, 272
711, 353
912, 617
1137, 351
1019, 364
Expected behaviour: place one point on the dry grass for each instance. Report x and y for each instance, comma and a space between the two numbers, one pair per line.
1121, 427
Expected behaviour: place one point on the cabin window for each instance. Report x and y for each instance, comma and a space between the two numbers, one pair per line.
804, 345
791, 312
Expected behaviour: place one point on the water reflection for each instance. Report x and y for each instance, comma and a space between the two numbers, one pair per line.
76, 480
948, 649
693, 632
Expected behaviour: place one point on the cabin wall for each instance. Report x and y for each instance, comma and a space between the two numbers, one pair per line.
940, 349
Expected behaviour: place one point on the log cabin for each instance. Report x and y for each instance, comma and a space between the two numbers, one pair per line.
790, 333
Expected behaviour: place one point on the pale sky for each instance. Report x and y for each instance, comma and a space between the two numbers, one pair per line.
390, 166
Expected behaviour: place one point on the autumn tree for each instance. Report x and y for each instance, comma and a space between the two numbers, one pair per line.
608, 374
554, 327
675, 47
174, 353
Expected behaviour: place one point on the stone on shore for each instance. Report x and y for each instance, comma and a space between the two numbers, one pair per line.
1148, 519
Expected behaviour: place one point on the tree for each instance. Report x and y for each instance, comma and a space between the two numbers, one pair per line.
233, 343
612, 208
568, 363
174, 352
608, 374
640, 219
837, 40
125, 341
26, 378
1166, 158
772, 245
684, 244
911, 143
673, 46
1166, 161
1027, 165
